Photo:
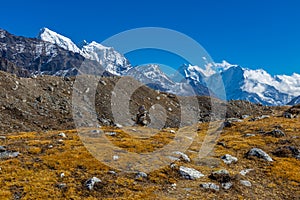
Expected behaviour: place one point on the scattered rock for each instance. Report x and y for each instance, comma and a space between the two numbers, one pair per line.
2, 148
221, 144
210, 186
234, 120
249, 135
112, 172
288, 115
2, 138
61, 185
190, 173
276, 133
89, 184
246, 183
183, 156
259, 153
62, 135
115, 157
142, 117
245, 171
227, 185
172, 131
245, 116
228, 159
62, 175
111, 133
8, 154
118, 125
227, 124
103, 82
221, 176
141, 175
259, 118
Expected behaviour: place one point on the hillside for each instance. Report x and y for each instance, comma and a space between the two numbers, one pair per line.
56, 166
45, 103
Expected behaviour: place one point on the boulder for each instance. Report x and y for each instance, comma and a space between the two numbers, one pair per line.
141, 175
246, 183
210, 186
276, 133
259, 153
228, 159
245, 171
8, 154
190, 173
183, 156
89, 184
227, 185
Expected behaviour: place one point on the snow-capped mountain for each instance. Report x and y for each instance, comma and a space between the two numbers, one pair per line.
54, 54
154, 77
26, 57
247, 84
111, 60
48, 35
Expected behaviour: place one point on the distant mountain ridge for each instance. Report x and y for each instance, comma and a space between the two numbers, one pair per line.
54, 54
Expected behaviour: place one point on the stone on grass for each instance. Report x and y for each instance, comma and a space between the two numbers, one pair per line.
245, 171
246, 183
210, 186
227, 185
260, 154
89, 184
183, 156
141, 175
228, 159
8, 154
62, 135
190, 173
276, 133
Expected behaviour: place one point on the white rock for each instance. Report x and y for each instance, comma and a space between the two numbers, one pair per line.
115, 157
246, 183
190, 173
260, 154
62, 135
228, 159
183, 156
211, 186
141, 175
227, 185
245, 171
91, 182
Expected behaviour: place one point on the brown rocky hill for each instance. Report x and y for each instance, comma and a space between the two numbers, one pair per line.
45, 103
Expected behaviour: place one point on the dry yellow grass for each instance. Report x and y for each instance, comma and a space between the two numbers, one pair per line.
36, 172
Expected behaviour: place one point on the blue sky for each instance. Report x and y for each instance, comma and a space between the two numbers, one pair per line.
255, 34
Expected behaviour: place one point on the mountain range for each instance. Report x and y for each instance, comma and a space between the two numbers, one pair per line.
53, 54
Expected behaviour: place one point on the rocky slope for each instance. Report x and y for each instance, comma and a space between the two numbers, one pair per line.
295, 101
45, 103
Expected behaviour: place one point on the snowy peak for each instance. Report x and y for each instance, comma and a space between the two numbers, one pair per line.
47, 35
111, 60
